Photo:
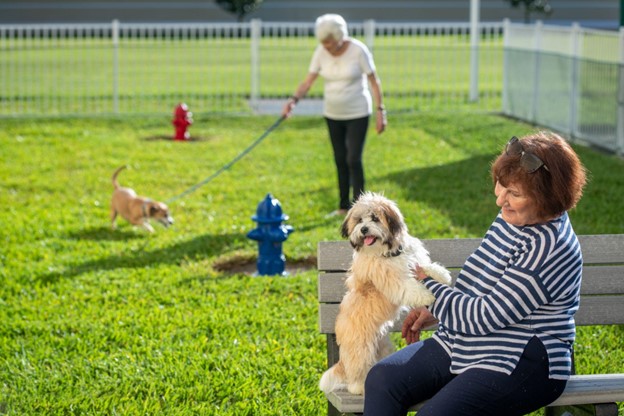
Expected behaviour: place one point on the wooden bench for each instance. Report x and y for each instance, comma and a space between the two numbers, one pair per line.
602, 303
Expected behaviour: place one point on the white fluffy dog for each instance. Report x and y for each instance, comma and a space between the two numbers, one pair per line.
380, 281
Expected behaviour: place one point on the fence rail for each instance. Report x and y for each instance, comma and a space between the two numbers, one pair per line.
229, 68
567, 79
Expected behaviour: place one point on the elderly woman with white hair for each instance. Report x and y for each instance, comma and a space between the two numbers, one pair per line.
347, 67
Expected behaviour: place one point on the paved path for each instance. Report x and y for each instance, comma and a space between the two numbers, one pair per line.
274, 107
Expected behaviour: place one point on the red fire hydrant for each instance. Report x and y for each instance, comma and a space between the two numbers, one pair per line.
182, 119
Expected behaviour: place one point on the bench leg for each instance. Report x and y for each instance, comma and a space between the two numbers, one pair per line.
333, 351
333, 355
332, 411
600, 409
332, 358
606, 409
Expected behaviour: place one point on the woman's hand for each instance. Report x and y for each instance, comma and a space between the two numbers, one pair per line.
382, 121
415, 321
300, 92
289, 107
419, 273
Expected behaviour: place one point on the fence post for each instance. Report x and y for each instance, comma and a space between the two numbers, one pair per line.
369, 33
256, 34
115, 38
620, 111
506, 51
575, 46
474, 50
537, 49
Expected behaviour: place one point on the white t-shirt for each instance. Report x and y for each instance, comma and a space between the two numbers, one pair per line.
346, 93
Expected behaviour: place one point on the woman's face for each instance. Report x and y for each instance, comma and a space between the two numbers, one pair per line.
331, 45
517, 208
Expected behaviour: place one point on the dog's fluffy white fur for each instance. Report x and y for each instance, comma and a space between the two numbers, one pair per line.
379, 282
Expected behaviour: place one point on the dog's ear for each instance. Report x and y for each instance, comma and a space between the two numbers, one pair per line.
344, 228
395, 223
153, 210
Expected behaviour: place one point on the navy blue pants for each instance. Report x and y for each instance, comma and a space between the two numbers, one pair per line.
347, 138
421, 371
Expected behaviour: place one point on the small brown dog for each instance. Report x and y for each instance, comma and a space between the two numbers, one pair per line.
137, 210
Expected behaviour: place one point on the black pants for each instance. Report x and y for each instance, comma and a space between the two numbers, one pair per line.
420, 371
347, 138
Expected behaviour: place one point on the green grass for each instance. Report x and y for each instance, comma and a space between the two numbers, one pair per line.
95, 321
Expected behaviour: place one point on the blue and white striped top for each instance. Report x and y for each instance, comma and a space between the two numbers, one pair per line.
521, 282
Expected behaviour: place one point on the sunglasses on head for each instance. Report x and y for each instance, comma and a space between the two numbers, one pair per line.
528, 161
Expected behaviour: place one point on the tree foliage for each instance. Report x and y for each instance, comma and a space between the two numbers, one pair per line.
240, 8
532, 6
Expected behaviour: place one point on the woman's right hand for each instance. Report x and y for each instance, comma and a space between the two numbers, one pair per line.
414, 322
300, 92
288, 107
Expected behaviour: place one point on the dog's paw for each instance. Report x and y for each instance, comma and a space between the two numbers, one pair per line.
416, 294
330, 381
438, 273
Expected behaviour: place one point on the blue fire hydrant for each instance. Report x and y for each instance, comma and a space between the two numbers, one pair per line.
270, 234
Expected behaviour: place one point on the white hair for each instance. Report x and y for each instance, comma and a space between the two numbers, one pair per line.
331, 25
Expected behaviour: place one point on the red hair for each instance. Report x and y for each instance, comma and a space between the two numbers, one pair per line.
555, 188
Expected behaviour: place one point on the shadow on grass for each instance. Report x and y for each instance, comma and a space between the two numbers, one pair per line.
198, 248
170, 138
461, 190
104, 234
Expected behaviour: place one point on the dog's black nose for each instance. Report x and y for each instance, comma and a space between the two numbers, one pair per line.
364, 230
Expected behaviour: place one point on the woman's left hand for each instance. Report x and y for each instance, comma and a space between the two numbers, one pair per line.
419, 273
382, 121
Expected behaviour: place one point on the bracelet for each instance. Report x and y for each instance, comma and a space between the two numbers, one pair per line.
295, 99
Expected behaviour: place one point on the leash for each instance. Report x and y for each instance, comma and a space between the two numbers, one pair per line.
228, 165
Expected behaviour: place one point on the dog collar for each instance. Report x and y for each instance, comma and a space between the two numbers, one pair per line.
395, 253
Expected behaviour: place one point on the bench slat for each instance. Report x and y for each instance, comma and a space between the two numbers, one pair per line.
600, 310
602, 280
451, 252
594, 310
331, 287
334, 255
602, 248
581, 389
599, 280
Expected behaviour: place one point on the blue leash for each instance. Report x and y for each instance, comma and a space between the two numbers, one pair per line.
232, 162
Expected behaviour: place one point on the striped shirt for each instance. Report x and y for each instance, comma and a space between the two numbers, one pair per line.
521, 282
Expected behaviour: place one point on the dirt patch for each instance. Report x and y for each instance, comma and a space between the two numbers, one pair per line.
170, 139
247, 265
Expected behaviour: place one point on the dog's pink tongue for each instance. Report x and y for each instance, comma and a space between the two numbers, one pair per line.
369, 240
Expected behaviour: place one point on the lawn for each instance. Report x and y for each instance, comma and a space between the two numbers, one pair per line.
96, 321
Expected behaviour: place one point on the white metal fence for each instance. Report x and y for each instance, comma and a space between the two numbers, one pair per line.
229, 68
568, 79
